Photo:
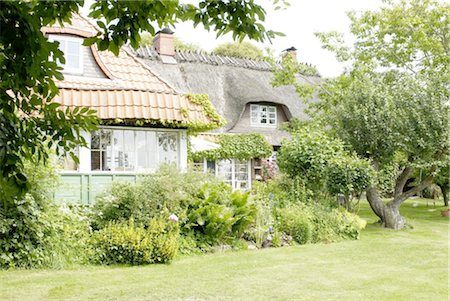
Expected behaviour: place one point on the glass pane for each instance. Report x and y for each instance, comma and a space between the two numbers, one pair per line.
95, 140
263, 109
224, 170
118, 155
95, 160
106, 149
128, 150
168, 147
105, 139
254, 108
152, 150
264, 121
211, 166
73, 48
72, 61
272, 121
142, 153
272, 109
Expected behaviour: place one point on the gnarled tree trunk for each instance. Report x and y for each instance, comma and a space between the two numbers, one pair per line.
389, 213
444, 190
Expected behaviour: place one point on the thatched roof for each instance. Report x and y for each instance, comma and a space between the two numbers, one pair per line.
231, 83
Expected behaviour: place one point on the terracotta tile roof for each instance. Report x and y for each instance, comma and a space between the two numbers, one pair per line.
127, 73
130, 91
131, 104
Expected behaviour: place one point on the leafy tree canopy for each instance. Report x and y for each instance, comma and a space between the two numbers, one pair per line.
395, 101
240, 50
29, 120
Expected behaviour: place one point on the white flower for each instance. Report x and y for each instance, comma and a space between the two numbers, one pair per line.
173, 218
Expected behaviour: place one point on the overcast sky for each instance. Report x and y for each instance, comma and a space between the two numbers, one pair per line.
298, 22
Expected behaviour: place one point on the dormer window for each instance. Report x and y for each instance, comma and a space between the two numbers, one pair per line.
73, 53
263, 115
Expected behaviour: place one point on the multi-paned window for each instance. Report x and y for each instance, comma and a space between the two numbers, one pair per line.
234, 172
263, 115
133, 150
73, 53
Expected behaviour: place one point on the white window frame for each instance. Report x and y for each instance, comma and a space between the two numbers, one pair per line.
260, 115
63, 42
234, 181
156, 155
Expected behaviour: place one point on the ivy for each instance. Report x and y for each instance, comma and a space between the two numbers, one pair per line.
237, 146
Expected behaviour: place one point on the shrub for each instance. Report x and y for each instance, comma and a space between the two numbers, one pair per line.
217, 215
336, 224
124, 242
71, 241
26, 230
164, 192
296, 222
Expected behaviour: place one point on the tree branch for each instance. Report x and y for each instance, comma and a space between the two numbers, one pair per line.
407, 194
401, 181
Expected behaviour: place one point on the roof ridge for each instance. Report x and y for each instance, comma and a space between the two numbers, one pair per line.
210, 58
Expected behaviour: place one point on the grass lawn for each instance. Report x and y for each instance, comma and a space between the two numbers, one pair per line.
383, 265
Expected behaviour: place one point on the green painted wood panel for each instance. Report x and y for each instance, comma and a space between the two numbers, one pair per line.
78, 188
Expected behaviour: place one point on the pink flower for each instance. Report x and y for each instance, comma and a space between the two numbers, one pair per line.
173, 218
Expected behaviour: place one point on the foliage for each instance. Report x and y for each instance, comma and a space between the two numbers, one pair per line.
239, 17
70, 243
319, 160
294, 221
168, 191
318, 224
217, 215
124, 242
237, 146
28, 116
215, 120
26, 228
393, 101
290, 72
243, 50
348, 175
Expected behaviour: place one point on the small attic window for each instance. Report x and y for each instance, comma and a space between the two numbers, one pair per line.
73, 53
263, 115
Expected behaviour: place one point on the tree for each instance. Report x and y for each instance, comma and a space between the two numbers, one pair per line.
323, 164
394, 102
29, 120
442, 180
239, 49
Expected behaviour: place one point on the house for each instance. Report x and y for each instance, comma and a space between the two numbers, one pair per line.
144, 120
240, 90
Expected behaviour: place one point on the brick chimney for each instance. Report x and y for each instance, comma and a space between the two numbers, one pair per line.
163, 42
291, 51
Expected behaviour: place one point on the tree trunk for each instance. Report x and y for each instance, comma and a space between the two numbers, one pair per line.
389, 213
392, 218
444, 190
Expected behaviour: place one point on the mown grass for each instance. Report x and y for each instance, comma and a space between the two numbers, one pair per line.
411, 264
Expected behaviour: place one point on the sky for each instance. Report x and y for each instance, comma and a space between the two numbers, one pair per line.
298, 22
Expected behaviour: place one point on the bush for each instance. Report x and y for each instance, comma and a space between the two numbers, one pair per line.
218, 215
71, 240
124, 242
26, 228
296, 222
306, 223
167, 191
335, 225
